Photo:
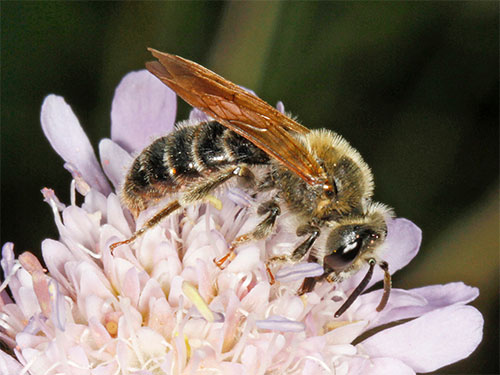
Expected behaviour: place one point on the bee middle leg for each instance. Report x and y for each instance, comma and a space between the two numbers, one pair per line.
262, 230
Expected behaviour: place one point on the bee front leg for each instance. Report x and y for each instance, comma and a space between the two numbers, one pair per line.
262, 230
310, 282
300, 252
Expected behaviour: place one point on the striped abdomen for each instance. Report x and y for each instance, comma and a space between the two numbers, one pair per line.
187, 154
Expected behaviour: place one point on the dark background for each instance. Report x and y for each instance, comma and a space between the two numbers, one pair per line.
412, 85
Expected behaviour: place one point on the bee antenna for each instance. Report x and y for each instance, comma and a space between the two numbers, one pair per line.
359, 289
387, 286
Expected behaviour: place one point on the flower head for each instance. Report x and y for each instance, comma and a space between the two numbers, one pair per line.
161, 306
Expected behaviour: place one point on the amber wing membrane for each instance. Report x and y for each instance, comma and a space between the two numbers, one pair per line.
240, 111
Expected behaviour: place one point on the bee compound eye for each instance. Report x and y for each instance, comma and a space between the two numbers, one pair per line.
329, 193
344, 255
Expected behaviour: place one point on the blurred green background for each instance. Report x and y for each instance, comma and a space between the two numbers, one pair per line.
412, 85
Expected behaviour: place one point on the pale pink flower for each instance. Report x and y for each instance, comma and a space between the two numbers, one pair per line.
161, 306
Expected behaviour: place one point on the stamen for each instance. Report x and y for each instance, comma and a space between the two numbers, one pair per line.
30, 262
280, 324
299, 271
10, 275
239, 197
194, 296
387, 286
214, 201
72, 192
359, 289
58, 310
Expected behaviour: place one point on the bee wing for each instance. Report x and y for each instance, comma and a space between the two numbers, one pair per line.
240, 111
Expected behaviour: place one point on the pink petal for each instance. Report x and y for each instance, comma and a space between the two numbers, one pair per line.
115, 161
280, 107
67, 138
378, 366
143, 108
196, 116
434, 340
346, 333
9, 365
56, 255
258, 298
116, 216
245, 261
402, 244
58, 307
8, 258
131, 286
414, 302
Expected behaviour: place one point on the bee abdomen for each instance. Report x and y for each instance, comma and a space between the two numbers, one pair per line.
187, 154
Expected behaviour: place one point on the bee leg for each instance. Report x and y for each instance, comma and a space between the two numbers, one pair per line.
200, 190
300, 252
193, 193
164, 212
309, 282
262, 230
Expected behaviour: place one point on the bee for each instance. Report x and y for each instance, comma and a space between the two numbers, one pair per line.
317, 176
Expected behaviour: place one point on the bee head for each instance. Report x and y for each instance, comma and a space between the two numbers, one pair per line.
353, 243
354, 240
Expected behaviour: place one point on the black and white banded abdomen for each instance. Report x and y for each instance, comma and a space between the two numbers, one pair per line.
189, 153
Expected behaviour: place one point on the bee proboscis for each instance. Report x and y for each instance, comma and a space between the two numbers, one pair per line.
320, 179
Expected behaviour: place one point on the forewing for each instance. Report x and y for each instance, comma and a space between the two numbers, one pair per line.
240, 111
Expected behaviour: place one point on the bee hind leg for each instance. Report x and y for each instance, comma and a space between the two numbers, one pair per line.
195, 192
164, 212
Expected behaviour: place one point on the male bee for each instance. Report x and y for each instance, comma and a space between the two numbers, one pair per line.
318, 178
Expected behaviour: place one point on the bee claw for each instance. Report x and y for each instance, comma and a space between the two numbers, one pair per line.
272, 279
113, 246
228, 257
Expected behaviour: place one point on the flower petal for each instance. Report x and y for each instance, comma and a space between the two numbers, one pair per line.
115, 161
434, 340
414, 302
379, 366
196, 116
9, 365
143, 108
67, 138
